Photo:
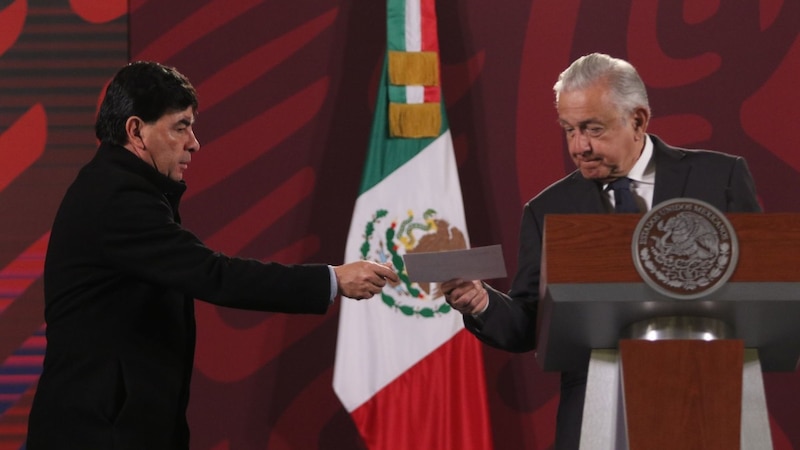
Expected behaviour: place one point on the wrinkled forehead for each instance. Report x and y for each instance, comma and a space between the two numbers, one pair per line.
586, 105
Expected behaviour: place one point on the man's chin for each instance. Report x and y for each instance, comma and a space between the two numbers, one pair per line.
594, 174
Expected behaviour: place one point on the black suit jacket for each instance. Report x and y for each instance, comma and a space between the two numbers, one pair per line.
121, 275
509, 322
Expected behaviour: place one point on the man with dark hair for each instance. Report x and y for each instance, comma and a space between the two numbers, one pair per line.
603, 110
121, 275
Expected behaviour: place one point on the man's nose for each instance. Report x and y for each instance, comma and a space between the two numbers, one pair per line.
194, 144
580, 144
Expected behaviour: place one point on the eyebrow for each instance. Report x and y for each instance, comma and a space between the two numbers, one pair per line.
582, 123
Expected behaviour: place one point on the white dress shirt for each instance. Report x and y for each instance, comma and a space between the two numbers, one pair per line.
643, 179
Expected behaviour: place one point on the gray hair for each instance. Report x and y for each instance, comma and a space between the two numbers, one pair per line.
626, 87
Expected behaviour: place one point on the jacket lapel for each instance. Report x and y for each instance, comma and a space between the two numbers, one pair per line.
586, 195
671, 175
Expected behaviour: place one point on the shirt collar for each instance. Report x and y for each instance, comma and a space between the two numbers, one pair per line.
644, 171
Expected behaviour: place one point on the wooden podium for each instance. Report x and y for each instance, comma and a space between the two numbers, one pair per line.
696, 389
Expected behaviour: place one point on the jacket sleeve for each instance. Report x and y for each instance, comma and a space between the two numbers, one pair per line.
509, 322
142, 239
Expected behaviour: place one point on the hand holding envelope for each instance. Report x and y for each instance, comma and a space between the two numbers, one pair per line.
459, 272
466, 297
363, 279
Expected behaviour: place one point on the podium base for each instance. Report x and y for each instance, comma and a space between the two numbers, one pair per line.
604, 425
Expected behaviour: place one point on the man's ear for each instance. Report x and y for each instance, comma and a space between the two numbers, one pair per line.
133, 130
641, 118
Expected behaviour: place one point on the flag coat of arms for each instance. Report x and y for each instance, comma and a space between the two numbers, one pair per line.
406, 370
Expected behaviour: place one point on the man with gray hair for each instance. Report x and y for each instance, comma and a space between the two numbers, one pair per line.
603, 109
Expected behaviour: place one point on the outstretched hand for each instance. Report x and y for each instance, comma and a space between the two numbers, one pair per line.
363, 279
466, 297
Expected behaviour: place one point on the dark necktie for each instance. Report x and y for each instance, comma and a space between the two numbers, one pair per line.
623, 197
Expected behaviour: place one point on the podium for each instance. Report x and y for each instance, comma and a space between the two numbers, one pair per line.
667, 372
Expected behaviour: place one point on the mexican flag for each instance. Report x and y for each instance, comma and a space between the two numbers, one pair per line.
406, 370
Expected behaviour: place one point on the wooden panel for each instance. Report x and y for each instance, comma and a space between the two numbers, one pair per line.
596, 248
682, 394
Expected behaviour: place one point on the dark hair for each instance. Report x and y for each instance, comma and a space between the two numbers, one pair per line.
144, 89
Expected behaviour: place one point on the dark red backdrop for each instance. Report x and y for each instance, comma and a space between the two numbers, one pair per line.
287, 90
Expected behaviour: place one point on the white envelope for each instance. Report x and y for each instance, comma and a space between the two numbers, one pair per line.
480, 263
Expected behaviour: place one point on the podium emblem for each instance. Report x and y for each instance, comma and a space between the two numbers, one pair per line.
685, 248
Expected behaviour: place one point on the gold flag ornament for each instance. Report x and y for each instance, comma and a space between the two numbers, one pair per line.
414, 109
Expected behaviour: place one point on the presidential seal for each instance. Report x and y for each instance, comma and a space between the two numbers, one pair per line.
388, 237
685, 248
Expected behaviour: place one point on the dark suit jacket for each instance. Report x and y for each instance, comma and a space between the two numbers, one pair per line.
120, 277
509, 322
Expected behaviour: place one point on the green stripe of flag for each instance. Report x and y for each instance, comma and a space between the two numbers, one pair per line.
397, 94
396, 25
386, 154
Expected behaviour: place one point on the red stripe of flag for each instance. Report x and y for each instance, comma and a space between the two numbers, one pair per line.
436, 398
432, 94
430, 43
428, 33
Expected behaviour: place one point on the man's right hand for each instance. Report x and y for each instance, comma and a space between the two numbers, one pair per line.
363, 279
